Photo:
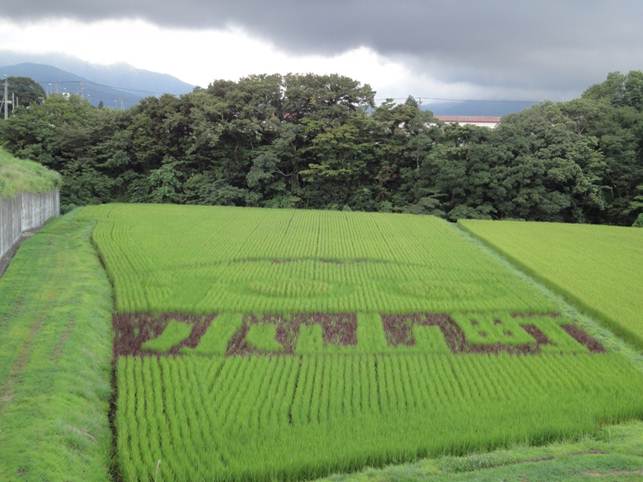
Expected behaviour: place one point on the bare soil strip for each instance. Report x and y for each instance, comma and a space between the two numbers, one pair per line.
583, 338
132, 330
337, 328
539, 336
398, 329
340, 329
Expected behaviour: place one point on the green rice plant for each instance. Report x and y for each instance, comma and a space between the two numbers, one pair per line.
263, 336
490, 328
173, 334
216, 339
287, 418
611, 453
248, 260
310, 340
429, 339
559, 340
370, 334
600, 268
416, 379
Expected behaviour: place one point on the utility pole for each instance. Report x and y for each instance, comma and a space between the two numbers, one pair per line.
6, 98
13, 102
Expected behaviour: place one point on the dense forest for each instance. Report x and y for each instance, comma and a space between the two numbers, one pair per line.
319, 141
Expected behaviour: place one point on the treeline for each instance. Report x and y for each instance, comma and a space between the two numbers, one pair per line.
319, 141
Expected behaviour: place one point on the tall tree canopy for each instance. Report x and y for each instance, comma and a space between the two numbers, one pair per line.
319, 141
25, 90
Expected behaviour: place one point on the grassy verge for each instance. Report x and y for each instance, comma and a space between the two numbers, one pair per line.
55, 362
19, 175
615, 453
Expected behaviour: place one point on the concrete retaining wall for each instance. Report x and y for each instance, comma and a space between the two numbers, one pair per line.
23, 212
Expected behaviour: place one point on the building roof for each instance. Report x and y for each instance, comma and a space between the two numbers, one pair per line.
490, 119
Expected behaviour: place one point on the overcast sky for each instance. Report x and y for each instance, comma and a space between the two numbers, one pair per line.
498, 49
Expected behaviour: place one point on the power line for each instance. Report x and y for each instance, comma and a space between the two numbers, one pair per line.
420, 98
91, 83
6, 98
444, 99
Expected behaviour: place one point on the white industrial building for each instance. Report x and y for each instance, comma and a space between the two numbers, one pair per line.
471, 120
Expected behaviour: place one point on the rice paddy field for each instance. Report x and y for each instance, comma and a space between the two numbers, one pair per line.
598, 267
256, 344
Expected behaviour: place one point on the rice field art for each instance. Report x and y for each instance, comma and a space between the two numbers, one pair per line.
256, 344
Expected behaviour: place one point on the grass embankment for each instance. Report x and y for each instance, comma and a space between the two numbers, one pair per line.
600, 268
55, 361
20, 175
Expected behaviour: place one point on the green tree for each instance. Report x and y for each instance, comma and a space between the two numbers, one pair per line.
319, 141
26, 91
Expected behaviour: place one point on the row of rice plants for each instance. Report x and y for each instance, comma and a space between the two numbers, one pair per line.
498, 331
264, 418
598, 267
191, 258
203, 415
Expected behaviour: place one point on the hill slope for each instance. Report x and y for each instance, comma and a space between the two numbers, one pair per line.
117, 86
117, 75
477, 107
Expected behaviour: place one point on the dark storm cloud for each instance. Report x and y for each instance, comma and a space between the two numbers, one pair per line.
550, 45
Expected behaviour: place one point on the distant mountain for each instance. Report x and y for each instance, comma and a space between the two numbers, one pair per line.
477, 107
117, 85
126, 77
57, 81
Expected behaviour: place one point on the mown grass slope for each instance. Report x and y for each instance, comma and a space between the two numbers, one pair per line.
328, 341
55, 361
20, 175
598, 267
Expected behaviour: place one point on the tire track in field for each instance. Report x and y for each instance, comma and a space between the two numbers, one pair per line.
23, 356
19, 365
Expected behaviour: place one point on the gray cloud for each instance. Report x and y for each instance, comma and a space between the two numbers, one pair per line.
552, 46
